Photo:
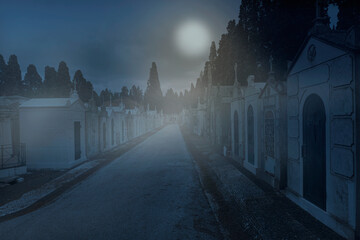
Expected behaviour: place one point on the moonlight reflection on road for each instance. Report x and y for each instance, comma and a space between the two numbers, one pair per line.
192, 38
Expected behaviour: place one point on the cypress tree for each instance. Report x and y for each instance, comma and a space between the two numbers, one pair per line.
212, 55
12, 83
63, 83
32, 82
124, 96
153, 94
83, 87
349, 13
50, 84
3, 67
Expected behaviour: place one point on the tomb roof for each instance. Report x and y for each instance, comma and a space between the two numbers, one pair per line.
49, 102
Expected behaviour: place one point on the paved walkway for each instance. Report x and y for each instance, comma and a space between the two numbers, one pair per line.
247, 207
150, 192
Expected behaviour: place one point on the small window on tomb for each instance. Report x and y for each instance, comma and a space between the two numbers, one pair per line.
269, 134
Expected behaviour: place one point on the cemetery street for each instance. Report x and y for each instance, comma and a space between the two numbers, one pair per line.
150, 192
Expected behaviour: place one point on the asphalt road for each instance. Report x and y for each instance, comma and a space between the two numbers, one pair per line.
151, 192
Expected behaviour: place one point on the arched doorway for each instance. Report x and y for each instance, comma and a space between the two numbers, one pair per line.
236, 134
314, 151
250, 135
104, 135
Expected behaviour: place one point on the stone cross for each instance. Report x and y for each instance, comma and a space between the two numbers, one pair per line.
271, 63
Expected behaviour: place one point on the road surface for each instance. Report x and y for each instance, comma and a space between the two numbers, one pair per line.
151, 192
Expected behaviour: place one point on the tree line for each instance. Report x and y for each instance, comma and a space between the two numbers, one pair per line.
266, 28
57, 83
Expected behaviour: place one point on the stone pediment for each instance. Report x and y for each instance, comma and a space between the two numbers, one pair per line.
273, 88
77, 106
315, 52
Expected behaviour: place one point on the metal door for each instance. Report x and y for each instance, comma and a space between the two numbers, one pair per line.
314, 151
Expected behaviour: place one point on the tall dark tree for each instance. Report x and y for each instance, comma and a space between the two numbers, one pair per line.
32, 82
12, 82
135, 96
116, 99
212, 54
124, 96
171, 102
153, 94
293, 19
96, 99
83, 87
63, 82
228, 54
105, 96
50, 85
349, 13
3, 67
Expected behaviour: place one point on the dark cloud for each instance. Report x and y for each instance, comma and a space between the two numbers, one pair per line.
112, 42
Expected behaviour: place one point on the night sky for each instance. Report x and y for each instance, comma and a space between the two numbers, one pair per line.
112, 42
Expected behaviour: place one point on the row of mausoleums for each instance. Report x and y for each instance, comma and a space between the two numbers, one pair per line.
301, 135
60, 133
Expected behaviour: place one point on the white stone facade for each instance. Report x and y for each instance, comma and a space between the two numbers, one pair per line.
280, 129
331, 77
49, 126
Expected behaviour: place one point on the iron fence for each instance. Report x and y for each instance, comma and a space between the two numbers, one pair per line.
12, 155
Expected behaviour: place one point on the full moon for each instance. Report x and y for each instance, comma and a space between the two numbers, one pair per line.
192, 39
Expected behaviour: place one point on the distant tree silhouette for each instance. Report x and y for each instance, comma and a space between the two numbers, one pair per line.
153, 95
212, 54
83, 87
135, 96
105, 96
349, 13
124, 96
12, 81
32, 82
172, 102
50, 85
63, 83
3, 67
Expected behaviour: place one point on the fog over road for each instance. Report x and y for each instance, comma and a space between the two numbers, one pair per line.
151, 192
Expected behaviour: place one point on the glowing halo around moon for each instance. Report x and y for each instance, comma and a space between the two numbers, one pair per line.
192, 38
